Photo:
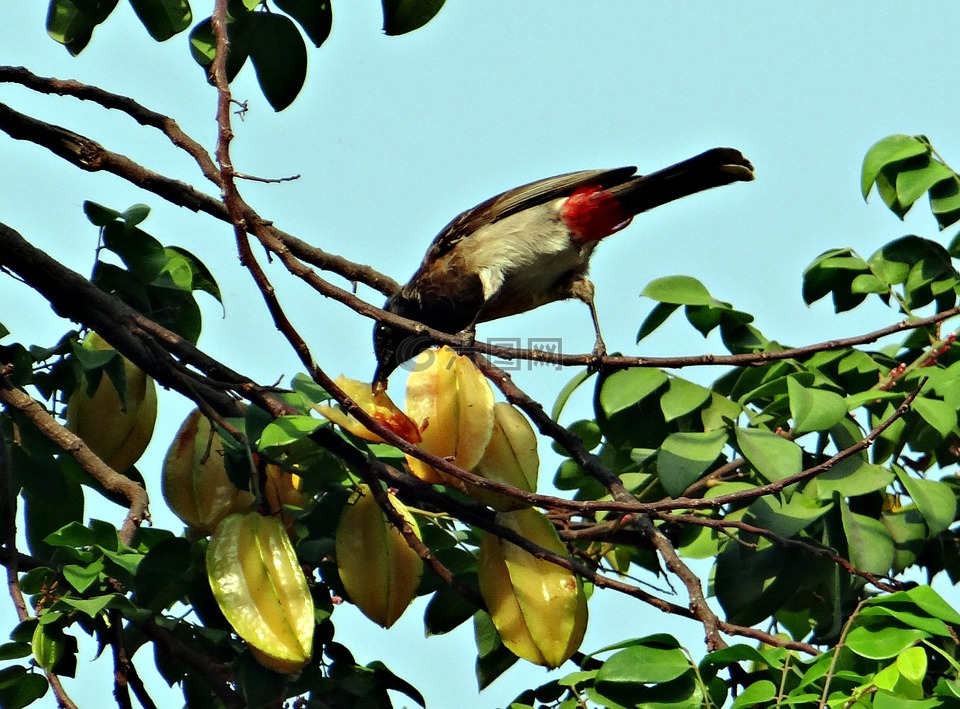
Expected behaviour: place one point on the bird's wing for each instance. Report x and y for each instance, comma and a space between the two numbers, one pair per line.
518, 199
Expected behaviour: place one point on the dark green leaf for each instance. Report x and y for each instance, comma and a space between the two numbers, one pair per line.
656, 318
163, 18
314, 16
19, 688
98, 214
493, 658
279, 57
446, 610
402, 16
567, 391
72, 23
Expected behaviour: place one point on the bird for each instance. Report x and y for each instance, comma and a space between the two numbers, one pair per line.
530, 246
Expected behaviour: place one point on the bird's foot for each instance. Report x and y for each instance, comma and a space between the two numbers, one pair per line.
596, 357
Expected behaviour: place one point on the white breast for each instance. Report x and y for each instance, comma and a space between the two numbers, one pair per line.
526, 252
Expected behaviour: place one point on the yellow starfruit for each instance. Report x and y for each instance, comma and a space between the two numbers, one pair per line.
374, 402
116, 431
262, 590
511, 457
452, 405
379, 570
538, 608
194, 479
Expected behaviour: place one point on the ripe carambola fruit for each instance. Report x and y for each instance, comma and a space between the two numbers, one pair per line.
511, 458
117, 432
538, 608
261, 590
452, 405
281, 488
377, 404
194, 480
379, 570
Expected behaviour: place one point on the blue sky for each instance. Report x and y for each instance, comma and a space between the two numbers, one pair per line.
394, 136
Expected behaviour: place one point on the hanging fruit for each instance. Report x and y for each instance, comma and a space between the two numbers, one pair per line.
261, 590
538, 608
379, 570
116, 431
194, 479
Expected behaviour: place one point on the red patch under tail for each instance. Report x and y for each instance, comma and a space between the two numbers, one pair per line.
591, 213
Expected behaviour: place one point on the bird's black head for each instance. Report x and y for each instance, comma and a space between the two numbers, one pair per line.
393, 346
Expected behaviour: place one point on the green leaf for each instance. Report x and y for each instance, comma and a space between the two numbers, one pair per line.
279, 57
786, 519
683, 397
939, 414
868, 541
567, 391
761, 692
314, 16
98, 215
493, 658
814, 409
71, 535
643, 664
878, 642
286, 430
19, 688
913, 618
912, 184
678, 290
851, 477
935, 500
924, 598
685, 457
203, 279
772, 456
656, 318
203, 46
163, 18
446, 611
402, 16
72, 23
14, 651
83, 577
893, 148
912, 664
628, 386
